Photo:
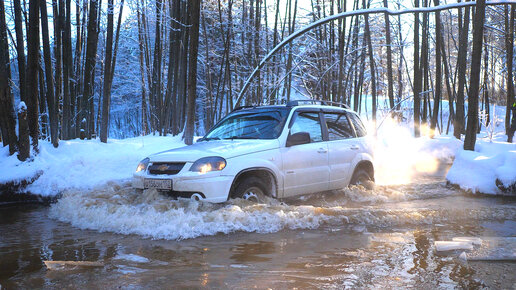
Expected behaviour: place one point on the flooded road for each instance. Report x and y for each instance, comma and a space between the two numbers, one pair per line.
351, 238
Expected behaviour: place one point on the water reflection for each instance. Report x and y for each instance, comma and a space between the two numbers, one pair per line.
253, 252
347, 252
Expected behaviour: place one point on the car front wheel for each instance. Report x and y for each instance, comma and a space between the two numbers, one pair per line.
251, 189
361, 177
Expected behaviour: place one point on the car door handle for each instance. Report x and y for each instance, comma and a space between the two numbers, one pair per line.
322, 150
354, 147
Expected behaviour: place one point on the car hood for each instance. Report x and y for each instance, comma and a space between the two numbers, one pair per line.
223, 148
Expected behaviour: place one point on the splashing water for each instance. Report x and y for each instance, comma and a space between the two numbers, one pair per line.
399, 157
121, 209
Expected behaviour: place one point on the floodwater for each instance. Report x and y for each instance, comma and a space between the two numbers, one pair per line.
347, 239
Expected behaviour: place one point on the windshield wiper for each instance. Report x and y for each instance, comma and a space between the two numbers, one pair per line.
241, 137
208, 139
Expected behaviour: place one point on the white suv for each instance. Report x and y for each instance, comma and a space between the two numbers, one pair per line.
276, 151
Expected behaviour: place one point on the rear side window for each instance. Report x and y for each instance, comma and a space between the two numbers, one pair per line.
359, 126
338, 126
308, 122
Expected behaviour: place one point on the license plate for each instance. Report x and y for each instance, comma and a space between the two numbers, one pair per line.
158, 183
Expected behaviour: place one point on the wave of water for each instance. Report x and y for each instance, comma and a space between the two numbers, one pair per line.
121, 209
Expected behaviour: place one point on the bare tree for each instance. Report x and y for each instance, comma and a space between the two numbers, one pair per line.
18, 26
476, 58
438, 71
367, 37
417, 75
109, 67
50, 97
458, 126
32, 89
509, 48
86, 113
389, 57
192, 72
7, 115
68, 95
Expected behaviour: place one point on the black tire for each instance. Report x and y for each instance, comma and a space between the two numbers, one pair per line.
250, 188
361, 177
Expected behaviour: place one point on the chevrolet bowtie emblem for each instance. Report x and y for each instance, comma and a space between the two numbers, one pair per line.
163, 167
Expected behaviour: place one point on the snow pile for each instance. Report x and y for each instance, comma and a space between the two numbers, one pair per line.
477, 171
81, 164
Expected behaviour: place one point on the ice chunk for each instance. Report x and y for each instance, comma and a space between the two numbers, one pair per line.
463, 256
132, 258
473, 240
60, 265
443, 246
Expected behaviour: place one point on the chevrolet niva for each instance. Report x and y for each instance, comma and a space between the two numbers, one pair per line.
276, 151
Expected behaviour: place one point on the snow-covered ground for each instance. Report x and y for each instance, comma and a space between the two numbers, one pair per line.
81, 164
477, 171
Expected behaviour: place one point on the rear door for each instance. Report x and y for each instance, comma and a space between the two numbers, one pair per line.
305, 167
343, 146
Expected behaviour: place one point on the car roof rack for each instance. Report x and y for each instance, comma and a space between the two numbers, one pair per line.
316, 102
345, 106
305, 102
242, 107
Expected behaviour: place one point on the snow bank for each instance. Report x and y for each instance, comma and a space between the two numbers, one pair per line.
81, 164
477, 171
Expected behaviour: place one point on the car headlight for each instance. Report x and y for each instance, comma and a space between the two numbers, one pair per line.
208, 164
142, 166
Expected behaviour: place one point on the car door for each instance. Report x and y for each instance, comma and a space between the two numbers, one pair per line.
343, 147
305, 166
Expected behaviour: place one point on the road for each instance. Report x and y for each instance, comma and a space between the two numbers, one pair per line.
347, 239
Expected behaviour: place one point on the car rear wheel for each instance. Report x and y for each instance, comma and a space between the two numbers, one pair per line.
361, 177
251, 189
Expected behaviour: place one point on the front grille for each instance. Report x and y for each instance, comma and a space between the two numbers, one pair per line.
165, 168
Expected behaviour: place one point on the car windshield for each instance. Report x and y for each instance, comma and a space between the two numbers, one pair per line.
257, 124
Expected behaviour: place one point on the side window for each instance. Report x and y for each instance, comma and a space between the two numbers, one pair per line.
359, 126
338, 126
308, 122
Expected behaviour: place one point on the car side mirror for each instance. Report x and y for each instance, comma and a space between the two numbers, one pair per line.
298, 138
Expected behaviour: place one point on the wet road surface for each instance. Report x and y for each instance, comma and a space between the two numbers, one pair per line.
351, 238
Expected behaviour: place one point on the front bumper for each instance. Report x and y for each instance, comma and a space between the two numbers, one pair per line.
213, 186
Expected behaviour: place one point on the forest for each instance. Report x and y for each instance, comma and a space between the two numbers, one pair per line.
97, 69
